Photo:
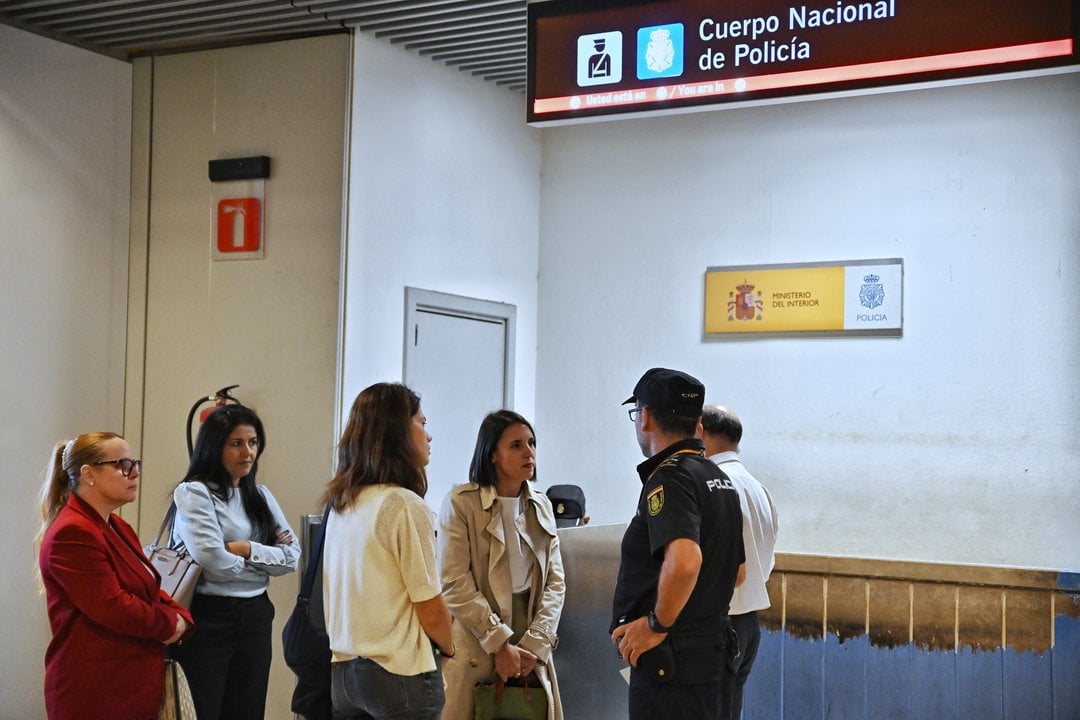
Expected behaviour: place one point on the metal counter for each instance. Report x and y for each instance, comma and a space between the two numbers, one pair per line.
586, 661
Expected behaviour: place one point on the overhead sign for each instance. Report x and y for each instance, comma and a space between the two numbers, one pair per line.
860, 297
588, 58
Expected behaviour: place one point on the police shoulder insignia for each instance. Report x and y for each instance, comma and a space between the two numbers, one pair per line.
656, 500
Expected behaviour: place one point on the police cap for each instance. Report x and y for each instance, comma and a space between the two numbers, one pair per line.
669, 390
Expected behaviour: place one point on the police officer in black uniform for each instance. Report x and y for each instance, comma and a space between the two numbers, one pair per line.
682, 556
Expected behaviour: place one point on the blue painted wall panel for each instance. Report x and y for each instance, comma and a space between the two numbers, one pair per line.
764, 688
978, 684
1065, 658
1027, 686
889, 683
934, 692
845, 678
802, 678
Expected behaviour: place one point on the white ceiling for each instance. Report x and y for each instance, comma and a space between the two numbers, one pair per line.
483, 37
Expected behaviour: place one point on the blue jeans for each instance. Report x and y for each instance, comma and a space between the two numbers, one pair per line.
362, 690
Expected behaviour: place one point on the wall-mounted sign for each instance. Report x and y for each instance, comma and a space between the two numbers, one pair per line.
589, 58
856, 297
239, 192
239, 225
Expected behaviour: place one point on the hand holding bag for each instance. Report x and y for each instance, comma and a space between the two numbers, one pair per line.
179, 571
499, 701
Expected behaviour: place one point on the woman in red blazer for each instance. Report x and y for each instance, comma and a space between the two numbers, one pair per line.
110, 620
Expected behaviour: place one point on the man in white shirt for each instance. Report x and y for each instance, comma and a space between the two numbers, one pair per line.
721, 433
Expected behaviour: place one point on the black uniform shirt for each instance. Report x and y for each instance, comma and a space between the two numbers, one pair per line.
683, 495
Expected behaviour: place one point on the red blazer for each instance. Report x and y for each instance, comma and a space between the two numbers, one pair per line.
109, 619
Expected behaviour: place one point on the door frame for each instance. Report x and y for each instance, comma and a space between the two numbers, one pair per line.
420, 300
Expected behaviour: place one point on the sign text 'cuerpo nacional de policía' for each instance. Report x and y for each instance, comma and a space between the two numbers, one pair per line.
856, 297
588, 57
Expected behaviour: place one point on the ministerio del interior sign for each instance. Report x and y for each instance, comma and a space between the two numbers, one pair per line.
853, 297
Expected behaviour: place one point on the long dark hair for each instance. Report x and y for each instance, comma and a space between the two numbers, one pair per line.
206, 466
481, 469
376, 446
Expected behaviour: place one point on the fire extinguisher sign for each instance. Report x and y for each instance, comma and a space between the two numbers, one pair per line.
239, 225
239, 187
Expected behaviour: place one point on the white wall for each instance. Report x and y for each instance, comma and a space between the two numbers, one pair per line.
444, 196
64, 148
959, 441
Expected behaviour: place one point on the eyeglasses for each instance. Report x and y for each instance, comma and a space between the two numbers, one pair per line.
126, 465
634, 412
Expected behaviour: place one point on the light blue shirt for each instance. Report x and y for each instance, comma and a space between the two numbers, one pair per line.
205, 523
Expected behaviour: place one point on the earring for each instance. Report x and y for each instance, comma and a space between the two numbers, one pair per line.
91, 484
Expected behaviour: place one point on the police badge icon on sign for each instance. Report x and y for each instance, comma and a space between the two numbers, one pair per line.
872, 293
660, 51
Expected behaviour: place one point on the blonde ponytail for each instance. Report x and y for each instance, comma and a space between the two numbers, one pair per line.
61, 477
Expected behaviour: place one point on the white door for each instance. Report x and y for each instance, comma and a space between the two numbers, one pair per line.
458, 357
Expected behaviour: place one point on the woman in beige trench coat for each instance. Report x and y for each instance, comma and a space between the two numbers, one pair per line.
498, 546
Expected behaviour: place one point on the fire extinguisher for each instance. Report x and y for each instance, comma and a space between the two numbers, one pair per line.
219, 398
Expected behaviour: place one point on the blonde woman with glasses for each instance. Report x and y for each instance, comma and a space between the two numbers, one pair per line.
110, 619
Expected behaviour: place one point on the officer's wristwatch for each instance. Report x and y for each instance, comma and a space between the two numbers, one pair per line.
655, 624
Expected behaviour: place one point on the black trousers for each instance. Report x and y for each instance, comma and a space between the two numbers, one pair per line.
738, 670
227, 659
698, 689
651, 700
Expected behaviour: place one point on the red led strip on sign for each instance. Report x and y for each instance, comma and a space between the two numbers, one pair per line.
754, 83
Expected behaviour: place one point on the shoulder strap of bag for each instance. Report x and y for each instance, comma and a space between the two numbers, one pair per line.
315, 560
166, 522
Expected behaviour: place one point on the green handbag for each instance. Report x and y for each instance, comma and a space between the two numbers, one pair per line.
499, 701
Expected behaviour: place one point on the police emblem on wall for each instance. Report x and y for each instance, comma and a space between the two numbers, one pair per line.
872, 293
745, 305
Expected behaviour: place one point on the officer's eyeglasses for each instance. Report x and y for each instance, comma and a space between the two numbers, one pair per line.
126, 465
633, 413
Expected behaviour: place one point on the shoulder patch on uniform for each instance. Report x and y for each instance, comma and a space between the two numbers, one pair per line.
656, 500
672, 461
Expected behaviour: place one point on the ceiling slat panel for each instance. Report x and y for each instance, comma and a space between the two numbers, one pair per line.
458, 39
169, 16
115, 8
477, 27
485, 38
492, 51
234, 27
449, 20
422, 11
